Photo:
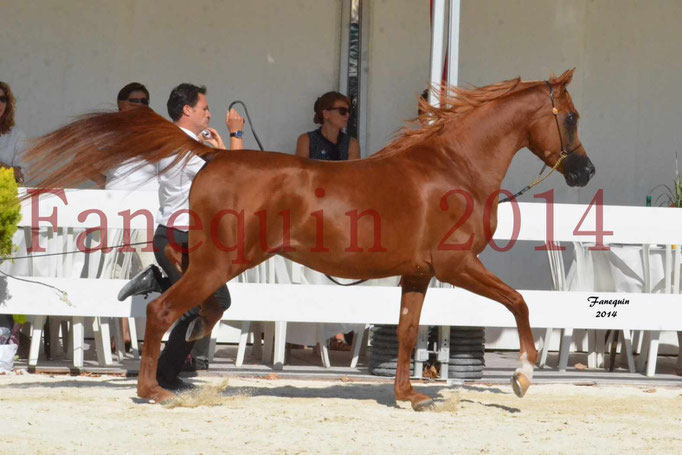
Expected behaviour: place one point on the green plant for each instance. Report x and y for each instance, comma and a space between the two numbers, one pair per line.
669, 196
10, 211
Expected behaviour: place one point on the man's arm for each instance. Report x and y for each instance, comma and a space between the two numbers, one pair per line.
235, 124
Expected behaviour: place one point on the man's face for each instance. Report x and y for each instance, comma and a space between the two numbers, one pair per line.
136, 99
199, 115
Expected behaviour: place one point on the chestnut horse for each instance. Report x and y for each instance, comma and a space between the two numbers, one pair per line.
413, 209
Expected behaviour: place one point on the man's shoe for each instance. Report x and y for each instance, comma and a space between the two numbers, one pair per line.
148, 280
175, 385
200, 363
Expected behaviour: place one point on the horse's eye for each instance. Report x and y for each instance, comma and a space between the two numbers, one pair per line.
572, 119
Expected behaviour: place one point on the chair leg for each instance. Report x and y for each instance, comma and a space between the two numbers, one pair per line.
36, 339
600, 347
627, 342
100, 329
679, 353
213, 342
118, 339
135, 347
566, 336
545, 347
280, 345
324, 352
358, 342
637, 341
77, 338
653, 353
614, 339
644, 352
269, 337
241, 347
258, 333
591, 349
56, 351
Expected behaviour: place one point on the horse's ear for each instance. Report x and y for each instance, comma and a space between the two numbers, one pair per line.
565, 78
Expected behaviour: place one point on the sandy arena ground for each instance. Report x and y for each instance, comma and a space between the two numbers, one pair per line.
44, 414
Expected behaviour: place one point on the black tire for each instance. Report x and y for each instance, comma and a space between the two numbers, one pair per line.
466, 349
386, 372
467, 342
466, 355
460, 362
465, 368
383, 358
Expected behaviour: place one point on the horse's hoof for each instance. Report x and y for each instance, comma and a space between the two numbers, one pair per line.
156, 395
196, 330
425, 405
520, 384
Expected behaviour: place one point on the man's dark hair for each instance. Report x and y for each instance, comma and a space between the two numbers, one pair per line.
183, 95
125, 92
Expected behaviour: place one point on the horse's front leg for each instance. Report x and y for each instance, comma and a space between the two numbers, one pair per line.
413, 291
474, 277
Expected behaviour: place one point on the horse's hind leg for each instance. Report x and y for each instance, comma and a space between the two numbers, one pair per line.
195, 286
474, 277
413, 291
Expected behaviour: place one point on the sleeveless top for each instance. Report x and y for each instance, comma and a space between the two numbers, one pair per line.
322, 149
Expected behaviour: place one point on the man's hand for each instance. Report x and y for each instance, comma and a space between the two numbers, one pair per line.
214, 141
234, 121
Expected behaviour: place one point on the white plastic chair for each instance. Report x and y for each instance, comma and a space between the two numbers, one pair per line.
671, 285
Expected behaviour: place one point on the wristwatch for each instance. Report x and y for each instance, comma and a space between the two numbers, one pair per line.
237, 134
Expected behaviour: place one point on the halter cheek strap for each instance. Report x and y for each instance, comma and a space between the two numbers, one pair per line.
562, 156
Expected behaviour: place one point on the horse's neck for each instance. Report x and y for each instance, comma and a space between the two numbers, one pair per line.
486, 140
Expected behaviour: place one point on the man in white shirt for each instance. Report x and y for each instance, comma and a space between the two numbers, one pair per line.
189, 110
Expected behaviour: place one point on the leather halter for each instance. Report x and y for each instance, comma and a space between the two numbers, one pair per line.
563, 154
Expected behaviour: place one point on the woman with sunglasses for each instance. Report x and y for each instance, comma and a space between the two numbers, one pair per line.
12, 140
329, 142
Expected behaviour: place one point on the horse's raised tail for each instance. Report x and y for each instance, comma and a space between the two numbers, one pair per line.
97, 142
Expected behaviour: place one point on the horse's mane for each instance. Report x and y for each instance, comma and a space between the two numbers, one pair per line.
97, 142
455, 102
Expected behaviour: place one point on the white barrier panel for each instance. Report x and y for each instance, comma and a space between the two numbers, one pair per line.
366, 304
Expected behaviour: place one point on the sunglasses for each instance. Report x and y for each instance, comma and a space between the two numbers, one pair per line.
4, 99
144, 101
342, 110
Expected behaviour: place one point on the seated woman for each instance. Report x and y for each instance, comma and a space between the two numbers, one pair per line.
329, 142
12, 140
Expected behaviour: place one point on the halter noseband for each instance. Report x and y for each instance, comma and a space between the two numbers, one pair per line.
562, 156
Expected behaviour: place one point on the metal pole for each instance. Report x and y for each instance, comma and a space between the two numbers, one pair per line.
453, 43
437, 34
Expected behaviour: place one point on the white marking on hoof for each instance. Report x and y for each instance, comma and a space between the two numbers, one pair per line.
526, 367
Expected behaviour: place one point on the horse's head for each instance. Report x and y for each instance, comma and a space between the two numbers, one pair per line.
554, 133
